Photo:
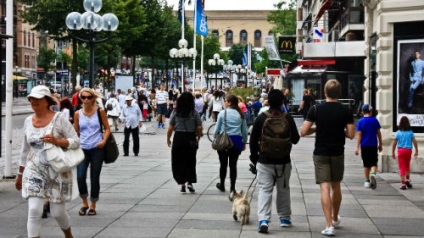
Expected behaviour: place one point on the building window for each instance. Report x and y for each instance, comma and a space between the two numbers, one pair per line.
229, 38
24, 41
33, 40
29, 39
270, 33
215, 33
258, 38
243, 37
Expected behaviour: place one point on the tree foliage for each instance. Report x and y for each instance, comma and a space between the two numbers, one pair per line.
284, 18
45, 58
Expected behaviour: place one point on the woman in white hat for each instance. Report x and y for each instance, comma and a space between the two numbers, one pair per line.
36, 178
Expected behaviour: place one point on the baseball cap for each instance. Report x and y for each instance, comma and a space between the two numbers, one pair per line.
39, 91
366, 108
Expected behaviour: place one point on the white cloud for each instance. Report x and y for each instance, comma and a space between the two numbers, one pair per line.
232, 4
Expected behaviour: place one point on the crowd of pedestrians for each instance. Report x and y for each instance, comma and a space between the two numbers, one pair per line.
86, 119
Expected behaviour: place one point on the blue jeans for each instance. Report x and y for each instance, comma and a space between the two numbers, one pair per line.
95, 158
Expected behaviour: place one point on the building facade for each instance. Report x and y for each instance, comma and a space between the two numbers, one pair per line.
394, 33
378, 43
232, 27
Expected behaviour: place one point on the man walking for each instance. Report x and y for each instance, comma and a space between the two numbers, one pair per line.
333, 123
272, 159
131, 114
162, 103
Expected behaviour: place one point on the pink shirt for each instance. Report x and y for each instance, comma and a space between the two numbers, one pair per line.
242, 107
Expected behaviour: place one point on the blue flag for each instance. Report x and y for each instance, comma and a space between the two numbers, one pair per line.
180, 10
201, 21
245, 57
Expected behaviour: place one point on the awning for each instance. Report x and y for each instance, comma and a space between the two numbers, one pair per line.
324, 6
17, 77
310, 63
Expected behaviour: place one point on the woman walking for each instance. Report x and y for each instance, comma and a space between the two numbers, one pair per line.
232, 120
216, 104
36, 178
87, 125
186, 123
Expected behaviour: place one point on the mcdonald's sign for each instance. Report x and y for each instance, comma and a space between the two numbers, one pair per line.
287, 45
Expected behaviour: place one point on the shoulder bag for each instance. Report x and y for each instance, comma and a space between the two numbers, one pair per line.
111, 150
223, 141
62, 159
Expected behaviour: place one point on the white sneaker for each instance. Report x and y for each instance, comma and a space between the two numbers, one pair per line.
336, 223
328, 231
367, 184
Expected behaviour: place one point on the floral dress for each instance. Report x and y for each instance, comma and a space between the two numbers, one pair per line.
39, 179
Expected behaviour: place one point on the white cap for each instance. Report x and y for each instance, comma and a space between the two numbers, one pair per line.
39, 91
129, 98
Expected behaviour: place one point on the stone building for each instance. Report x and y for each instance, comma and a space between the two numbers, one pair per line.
236, 26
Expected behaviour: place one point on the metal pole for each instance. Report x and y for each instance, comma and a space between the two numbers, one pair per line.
9, 91
91, 65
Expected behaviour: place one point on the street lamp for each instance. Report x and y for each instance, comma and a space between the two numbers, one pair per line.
93, 23
183, 53
216, 62
229, 67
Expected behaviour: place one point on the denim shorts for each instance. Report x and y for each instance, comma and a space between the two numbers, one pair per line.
161, 109
328, 168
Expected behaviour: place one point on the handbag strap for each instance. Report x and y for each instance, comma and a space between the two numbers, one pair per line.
225, 120
100, 120
53, 121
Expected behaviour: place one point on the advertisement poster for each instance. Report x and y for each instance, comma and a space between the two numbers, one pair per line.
410, 81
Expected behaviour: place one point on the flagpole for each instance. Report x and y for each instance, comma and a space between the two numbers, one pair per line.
182, 37
202, 77
194, 43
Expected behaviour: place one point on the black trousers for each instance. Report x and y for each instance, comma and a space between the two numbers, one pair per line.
228, 158
136, 140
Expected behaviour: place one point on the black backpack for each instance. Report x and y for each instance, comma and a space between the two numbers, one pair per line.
275, 141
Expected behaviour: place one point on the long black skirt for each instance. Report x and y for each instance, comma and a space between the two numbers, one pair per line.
184, 158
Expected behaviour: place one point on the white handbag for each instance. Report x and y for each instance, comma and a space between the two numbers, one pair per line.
62, 159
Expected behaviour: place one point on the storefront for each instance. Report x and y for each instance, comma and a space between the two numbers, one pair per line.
395, 34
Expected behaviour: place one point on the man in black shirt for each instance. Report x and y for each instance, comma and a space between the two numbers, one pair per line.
333, 123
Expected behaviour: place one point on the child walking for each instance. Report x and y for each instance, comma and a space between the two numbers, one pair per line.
368, 129
404, 138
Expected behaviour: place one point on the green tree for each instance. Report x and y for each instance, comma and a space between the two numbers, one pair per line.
45, 58
236, 53
284, 18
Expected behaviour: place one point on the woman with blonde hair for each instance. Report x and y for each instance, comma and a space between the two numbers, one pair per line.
87, 125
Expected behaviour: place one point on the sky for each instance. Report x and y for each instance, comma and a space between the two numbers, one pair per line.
232, 4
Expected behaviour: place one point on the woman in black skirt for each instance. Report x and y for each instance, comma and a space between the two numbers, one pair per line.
186, 123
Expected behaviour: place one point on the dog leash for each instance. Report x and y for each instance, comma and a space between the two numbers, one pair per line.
247, 191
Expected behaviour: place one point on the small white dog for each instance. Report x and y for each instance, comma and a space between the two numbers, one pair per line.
241, 207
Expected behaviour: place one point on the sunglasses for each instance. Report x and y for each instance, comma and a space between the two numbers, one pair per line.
86, 97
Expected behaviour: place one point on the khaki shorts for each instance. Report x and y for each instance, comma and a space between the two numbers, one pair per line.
328, 168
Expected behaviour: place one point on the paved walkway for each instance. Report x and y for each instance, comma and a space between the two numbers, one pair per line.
139, 198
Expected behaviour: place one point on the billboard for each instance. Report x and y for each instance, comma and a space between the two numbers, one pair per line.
410, 81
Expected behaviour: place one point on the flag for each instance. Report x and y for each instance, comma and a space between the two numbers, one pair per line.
180, 10
245, 59
201, 21
270, 48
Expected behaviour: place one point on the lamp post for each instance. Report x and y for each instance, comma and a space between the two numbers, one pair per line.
182, 54
2, 82
216, 62
229, 67
93, 23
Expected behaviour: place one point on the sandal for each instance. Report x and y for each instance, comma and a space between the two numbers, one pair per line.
83, 211
91, 212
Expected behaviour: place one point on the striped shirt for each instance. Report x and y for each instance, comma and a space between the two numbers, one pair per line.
161, 97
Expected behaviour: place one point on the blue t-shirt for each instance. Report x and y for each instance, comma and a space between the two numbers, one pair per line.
404, 139
369, 127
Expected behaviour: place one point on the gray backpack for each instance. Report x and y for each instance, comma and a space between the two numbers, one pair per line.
275, 141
